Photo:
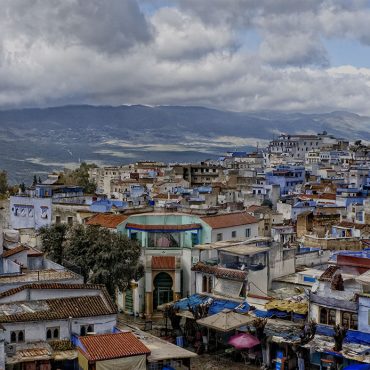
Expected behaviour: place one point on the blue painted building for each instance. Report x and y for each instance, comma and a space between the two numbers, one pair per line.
287, 177
106, 205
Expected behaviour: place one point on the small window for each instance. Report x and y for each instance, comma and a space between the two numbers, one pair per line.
327, 316
350, 320
70, 220
210, 284
13, 337
56, 333
57, 220
17, 336
233, 234
52, 333
84, 329
247, 233
21, 336
204, 283
219, 237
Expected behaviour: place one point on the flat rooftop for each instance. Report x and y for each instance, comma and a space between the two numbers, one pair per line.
234, 242
29, 276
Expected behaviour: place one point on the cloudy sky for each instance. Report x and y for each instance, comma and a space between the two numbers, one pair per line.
243, 55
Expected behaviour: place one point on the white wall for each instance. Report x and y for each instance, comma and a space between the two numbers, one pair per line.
33, 219
258, 282
240, 232
36, 330
363, 314
186, 271
285, 209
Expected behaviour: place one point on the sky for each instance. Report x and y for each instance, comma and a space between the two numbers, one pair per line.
240, 55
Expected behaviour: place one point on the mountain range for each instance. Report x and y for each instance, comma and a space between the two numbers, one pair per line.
39, 140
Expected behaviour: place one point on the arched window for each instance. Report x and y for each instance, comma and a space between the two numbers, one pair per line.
48, 334
82, 331
13, 337
20, 336
56, 333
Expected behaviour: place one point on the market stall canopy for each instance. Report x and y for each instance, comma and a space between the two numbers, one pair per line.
244, 341
225, 321
288, 306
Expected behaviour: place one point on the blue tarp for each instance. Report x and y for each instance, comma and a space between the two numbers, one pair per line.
358, 367
193, 300
217, 305
243, 308
263, 314
353, 336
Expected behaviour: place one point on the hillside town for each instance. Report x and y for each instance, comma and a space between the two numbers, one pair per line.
256, 259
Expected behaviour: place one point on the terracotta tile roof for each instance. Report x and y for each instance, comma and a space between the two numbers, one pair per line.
329, 273
352, 225
163, 263
220, 272
165, 196
52, 286
164, 227
229, 220
59, 308
107, 220
330, 196
254, 208
33, 252
13, 251
109, 346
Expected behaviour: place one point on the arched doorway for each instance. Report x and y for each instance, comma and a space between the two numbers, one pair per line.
162, 289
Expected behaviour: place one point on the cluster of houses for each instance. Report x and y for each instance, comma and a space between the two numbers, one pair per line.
282, 233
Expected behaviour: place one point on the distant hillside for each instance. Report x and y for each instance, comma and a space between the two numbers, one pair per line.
39, 140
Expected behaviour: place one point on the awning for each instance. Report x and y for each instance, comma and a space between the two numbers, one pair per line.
288, 306
243, 341
225, 321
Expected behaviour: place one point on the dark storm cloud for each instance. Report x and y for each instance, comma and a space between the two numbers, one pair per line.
109, 25
186, 52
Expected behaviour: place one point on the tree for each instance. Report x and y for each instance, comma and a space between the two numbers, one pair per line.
267, 203
53, 241
259, 324
116, 262
22, 187
3, 182
103, 256
339, 335
80, 177
308, 332
34, 182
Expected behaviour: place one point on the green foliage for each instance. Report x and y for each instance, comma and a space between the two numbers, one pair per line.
3, 182
22, 186
267, 203
104, 257
53, 239
80, 177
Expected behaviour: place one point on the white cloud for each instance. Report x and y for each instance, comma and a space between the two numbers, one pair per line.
109, 52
